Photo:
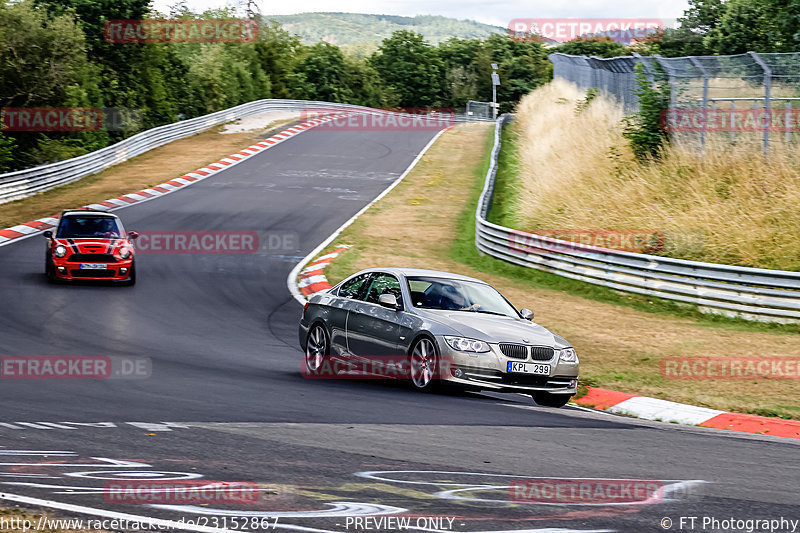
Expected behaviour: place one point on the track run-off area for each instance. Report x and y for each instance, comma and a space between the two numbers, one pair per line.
224, 399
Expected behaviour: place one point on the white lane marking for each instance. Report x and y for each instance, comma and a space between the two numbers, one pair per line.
668, 486
37, 452
18, 474
32, 425
339, 509
291, 281
80, 490
107, 463
93, 424
80, 509
154, 426
55, 426
148, 426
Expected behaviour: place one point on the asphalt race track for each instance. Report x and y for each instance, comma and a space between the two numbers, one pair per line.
225, 399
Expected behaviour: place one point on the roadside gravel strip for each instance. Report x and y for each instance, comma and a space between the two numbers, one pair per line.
29, 229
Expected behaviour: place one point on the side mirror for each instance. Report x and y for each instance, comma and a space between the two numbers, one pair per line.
133, 235
388, 300
527, 314
47, 234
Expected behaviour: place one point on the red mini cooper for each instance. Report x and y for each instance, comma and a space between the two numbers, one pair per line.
91, 245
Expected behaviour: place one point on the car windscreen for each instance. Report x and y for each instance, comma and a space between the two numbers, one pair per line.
458, 295
89, 226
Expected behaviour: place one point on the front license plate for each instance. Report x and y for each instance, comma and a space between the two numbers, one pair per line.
93, 266
529, 368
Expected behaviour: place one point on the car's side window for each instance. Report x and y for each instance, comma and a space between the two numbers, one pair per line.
351, 289
384, 284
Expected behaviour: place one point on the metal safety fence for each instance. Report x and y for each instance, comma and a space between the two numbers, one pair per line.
749, 293
742, 97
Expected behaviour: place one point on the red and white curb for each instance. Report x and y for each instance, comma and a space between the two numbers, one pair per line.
311, 279
28, 229
679, 413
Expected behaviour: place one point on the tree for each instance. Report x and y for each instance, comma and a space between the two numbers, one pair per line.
7, 159
43, 63
758, 25
277, 52
322, 75
411, 67
523, 66
600, 46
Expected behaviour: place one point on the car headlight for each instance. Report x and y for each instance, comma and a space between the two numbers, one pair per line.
60, 251
124, 252
568, 355
464, 344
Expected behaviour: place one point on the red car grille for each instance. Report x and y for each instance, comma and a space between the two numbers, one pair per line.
89, 273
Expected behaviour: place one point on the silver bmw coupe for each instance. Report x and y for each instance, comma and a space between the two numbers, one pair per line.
434, 327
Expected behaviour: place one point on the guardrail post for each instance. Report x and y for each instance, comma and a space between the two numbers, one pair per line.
699, 66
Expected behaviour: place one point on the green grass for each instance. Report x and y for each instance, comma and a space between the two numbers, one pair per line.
465, 252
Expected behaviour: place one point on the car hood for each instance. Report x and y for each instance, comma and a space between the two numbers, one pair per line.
88, 246
494, 328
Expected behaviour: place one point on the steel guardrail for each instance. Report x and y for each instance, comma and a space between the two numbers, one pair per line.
745, 292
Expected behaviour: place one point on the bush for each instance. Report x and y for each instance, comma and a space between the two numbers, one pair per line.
644, 130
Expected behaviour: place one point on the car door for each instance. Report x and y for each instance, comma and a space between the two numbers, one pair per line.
372, 330
346, 297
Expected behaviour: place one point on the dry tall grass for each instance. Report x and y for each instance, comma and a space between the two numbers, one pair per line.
725, 205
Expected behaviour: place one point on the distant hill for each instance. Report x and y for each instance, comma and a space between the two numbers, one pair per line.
362, 33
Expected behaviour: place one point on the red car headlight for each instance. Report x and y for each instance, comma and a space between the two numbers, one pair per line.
60, 250
124, 252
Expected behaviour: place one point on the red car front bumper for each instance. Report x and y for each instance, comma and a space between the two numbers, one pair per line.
117, 271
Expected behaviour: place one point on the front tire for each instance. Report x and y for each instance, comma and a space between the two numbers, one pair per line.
316, 349
424, 362
548, 399
50, 271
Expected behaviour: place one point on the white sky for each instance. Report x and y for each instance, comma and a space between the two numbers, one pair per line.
497, 12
